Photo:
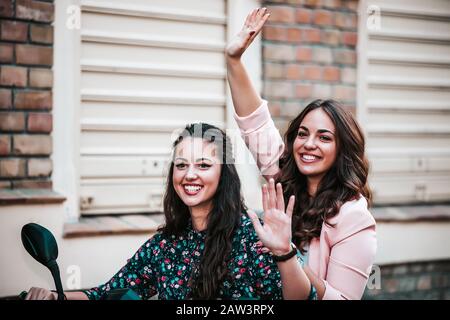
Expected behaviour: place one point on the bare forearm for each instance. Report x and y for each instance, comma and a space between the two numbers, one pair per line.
316, 282
296, 285
245, 98
76, 295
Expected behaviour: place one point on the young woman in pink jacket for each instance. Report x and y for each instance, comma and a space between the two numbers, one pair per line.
323, 169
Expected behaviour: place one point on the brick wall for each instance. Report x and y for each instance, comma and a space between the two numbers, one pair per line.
309, 52
26, 79
428, 280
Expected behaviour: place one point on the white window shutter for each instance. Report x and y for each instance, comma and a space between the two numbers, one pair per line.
147, 69
404, 98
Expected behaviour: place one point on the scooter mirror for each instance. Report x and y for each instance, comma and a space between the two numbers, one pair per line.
40, 243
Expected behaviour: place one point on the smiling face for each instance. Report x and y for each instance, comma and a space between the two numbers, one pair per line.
315, 146
196, 173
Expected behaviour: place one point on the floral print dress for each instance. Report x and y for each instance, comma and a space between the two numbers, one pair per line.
164, 264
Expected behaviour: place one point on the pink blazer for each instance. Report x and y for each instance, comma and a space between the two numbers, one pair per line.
343, 255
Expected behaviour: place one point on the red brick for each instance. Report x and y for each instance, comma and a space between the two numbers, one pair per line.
331, 37
5, 184
350, 38
304, 54
303, 16
5, 99
323, 18
312, 3
13, 76
303, 90
14, 31
12, 168
424, 282
311, 35
311, 73
12, 121
274, 33
41, 34
6, 8
278, 52
40, 167
274, 108
278, 89
282, 124
40, 122
34, 55
293, 72
334, 4
41, 78
34, 10
281, 14
323, 55
346, 20
321, 91
5, 145
32, 184
351, 4
345, 57
331, 74
294, 35
348, 75
33, 100
291, 109
273, 70
32, 144
344, 93
6, 53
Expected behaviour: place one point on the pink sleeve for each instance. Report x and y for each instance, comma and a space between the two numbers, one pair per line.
262, 138
351, 260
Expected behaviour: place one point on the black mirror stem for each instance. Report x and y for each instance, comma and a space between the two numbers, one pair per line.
54, 269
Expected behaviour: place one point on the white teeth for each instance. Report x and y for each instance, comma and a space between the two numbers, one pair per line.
192, 188
309, 157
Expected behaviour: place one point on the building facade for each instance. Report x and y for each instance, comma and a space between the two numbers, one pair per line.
92, 91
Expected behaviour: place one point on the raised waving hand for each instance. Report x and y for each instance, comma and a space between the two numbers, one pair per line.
276, 232
252, 26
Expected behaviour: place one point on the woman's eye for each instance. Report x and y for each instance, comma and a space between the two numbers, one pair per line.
325, 138
180, 166
302, 134
204, 165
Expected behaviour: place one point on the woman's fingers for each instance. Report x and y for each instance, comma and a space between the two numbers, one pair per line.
256, 224
280, 198
265, 198
261, 13
272, 194
265, 250
247, 22
262, 17
290, 206
254, 15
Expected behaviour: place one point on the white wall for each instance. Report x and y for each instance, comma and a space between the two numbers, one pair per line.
412, 241
98, 257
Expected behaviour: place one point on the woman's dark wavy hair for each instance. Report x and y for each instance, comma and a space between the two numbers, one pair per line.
223, 219
344, 181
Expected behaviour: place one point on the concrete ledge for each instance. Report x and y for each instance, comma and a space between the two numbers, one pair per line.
29, 196
113, 225
412, 213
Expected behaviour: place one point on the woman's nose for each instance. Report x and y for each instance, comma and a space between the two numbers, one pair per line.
191, 174
310, 143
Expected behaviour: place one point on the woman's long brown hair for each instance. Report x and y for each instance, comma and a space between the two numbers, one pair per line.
346, 180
